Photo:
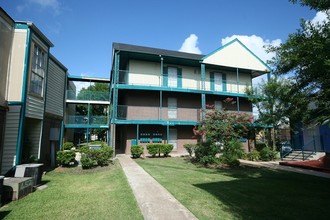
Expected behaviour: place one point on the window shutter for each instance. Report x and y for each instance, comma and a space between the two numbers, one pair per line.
165, 77
212, 81
224, 82
179, 78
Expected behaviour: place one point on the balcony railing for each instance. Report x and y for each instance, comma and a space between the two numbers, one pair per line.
85, 120
87, 95
156, 113
193, 83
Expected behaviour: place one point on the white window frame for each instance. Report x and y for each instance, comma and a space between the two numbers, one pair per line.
38, 71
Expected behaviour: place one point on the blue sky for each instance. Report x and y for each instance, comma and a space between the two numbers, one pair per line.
83, 31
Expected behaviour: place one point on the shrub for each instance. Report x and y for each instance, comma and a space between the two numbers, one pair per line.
96, 157
68, 146
232, 152
166, 149
153, 149
253, 155
260, 146
84, 149
190, 148
205, 153
66, 158
267, 154
136, 151
87, 162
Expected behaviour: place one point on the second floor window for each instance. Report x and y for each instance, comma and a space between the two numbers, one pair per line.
38, 71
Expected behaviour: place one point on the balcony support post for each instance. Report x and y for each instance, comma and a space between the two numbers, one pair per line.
167, 132
137, 133
160, 105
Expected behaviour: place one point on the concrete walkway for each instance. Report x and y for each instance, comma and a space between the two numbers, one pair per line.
276, 165
153, 199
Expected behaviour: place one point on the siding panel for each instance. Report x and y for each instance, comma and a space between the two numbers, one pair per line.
55, 89
35, 107
10, 139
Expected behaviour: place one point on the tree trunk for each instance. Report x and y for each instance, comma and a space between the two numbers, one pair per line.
273, 138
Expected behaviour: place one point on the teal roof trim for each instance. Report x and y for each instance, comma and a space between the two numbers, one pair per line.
231, 42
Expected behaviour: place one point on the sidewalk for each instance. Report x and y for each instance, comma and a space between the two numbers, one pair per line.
276, 165
153, 199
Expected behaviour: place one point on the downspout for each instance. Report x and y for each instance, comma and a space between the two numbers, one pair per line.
24, 94
45, 100
64, 110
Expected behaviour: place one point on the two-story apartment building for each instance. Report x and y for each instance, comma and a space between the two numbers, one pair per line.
157, 95
31, 93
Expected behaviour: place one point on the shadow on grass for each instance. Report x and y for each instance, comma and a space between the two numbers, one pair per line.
3, 214
268, 194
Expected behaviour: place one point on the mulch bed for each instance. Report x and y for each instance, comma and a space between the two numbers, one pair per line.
322, 164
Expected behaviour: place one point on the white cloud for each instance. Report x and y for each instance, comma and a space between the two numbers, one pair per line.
320, 17
190, 45
53, 4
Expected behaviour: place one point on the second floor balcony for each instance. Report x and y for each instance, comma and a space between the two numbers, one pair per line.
87, 120
188, 82
86, 95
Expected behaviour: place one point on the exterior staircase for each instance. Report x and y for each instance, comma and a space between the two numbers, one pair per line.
297, 155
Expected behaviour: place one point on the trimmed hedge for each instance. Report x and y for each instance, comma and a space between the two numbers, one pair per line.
164, 149
136, 151
66, 158
68, 146
96, 157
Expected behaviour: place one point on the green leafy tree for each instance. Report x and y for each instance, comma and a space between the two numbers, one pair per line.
305, 59
278, 104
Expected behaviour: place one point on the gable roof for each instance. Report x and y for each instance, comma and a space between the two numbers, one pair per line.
155, 51
235, 54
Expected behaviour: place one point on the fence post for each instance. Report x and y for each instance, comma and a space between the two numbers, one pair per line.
314, 144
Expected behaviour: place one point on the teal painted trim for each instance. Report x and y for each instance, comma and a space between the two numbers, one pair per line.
237, 103
20, 137
14, 103
179, 77
233, 41
196, 91
212, 81
203, 97
224, 82
21, 26
165, 76
167, 133
203, 76
160, 104
85, 126
154, 122
61, 135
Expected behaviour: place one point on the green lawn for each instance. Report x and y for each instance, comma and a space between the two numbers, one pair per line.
97, 194
242, 193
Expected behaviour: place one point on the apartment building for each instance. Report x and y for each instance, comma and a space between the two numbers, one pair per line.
31, 94
157, 95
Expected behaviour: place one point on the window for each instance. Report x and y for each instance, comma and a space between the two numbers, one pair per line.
38, 71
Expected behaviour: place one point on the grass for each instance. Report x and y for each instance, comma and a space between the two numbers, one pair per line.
75, 194
242, 192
